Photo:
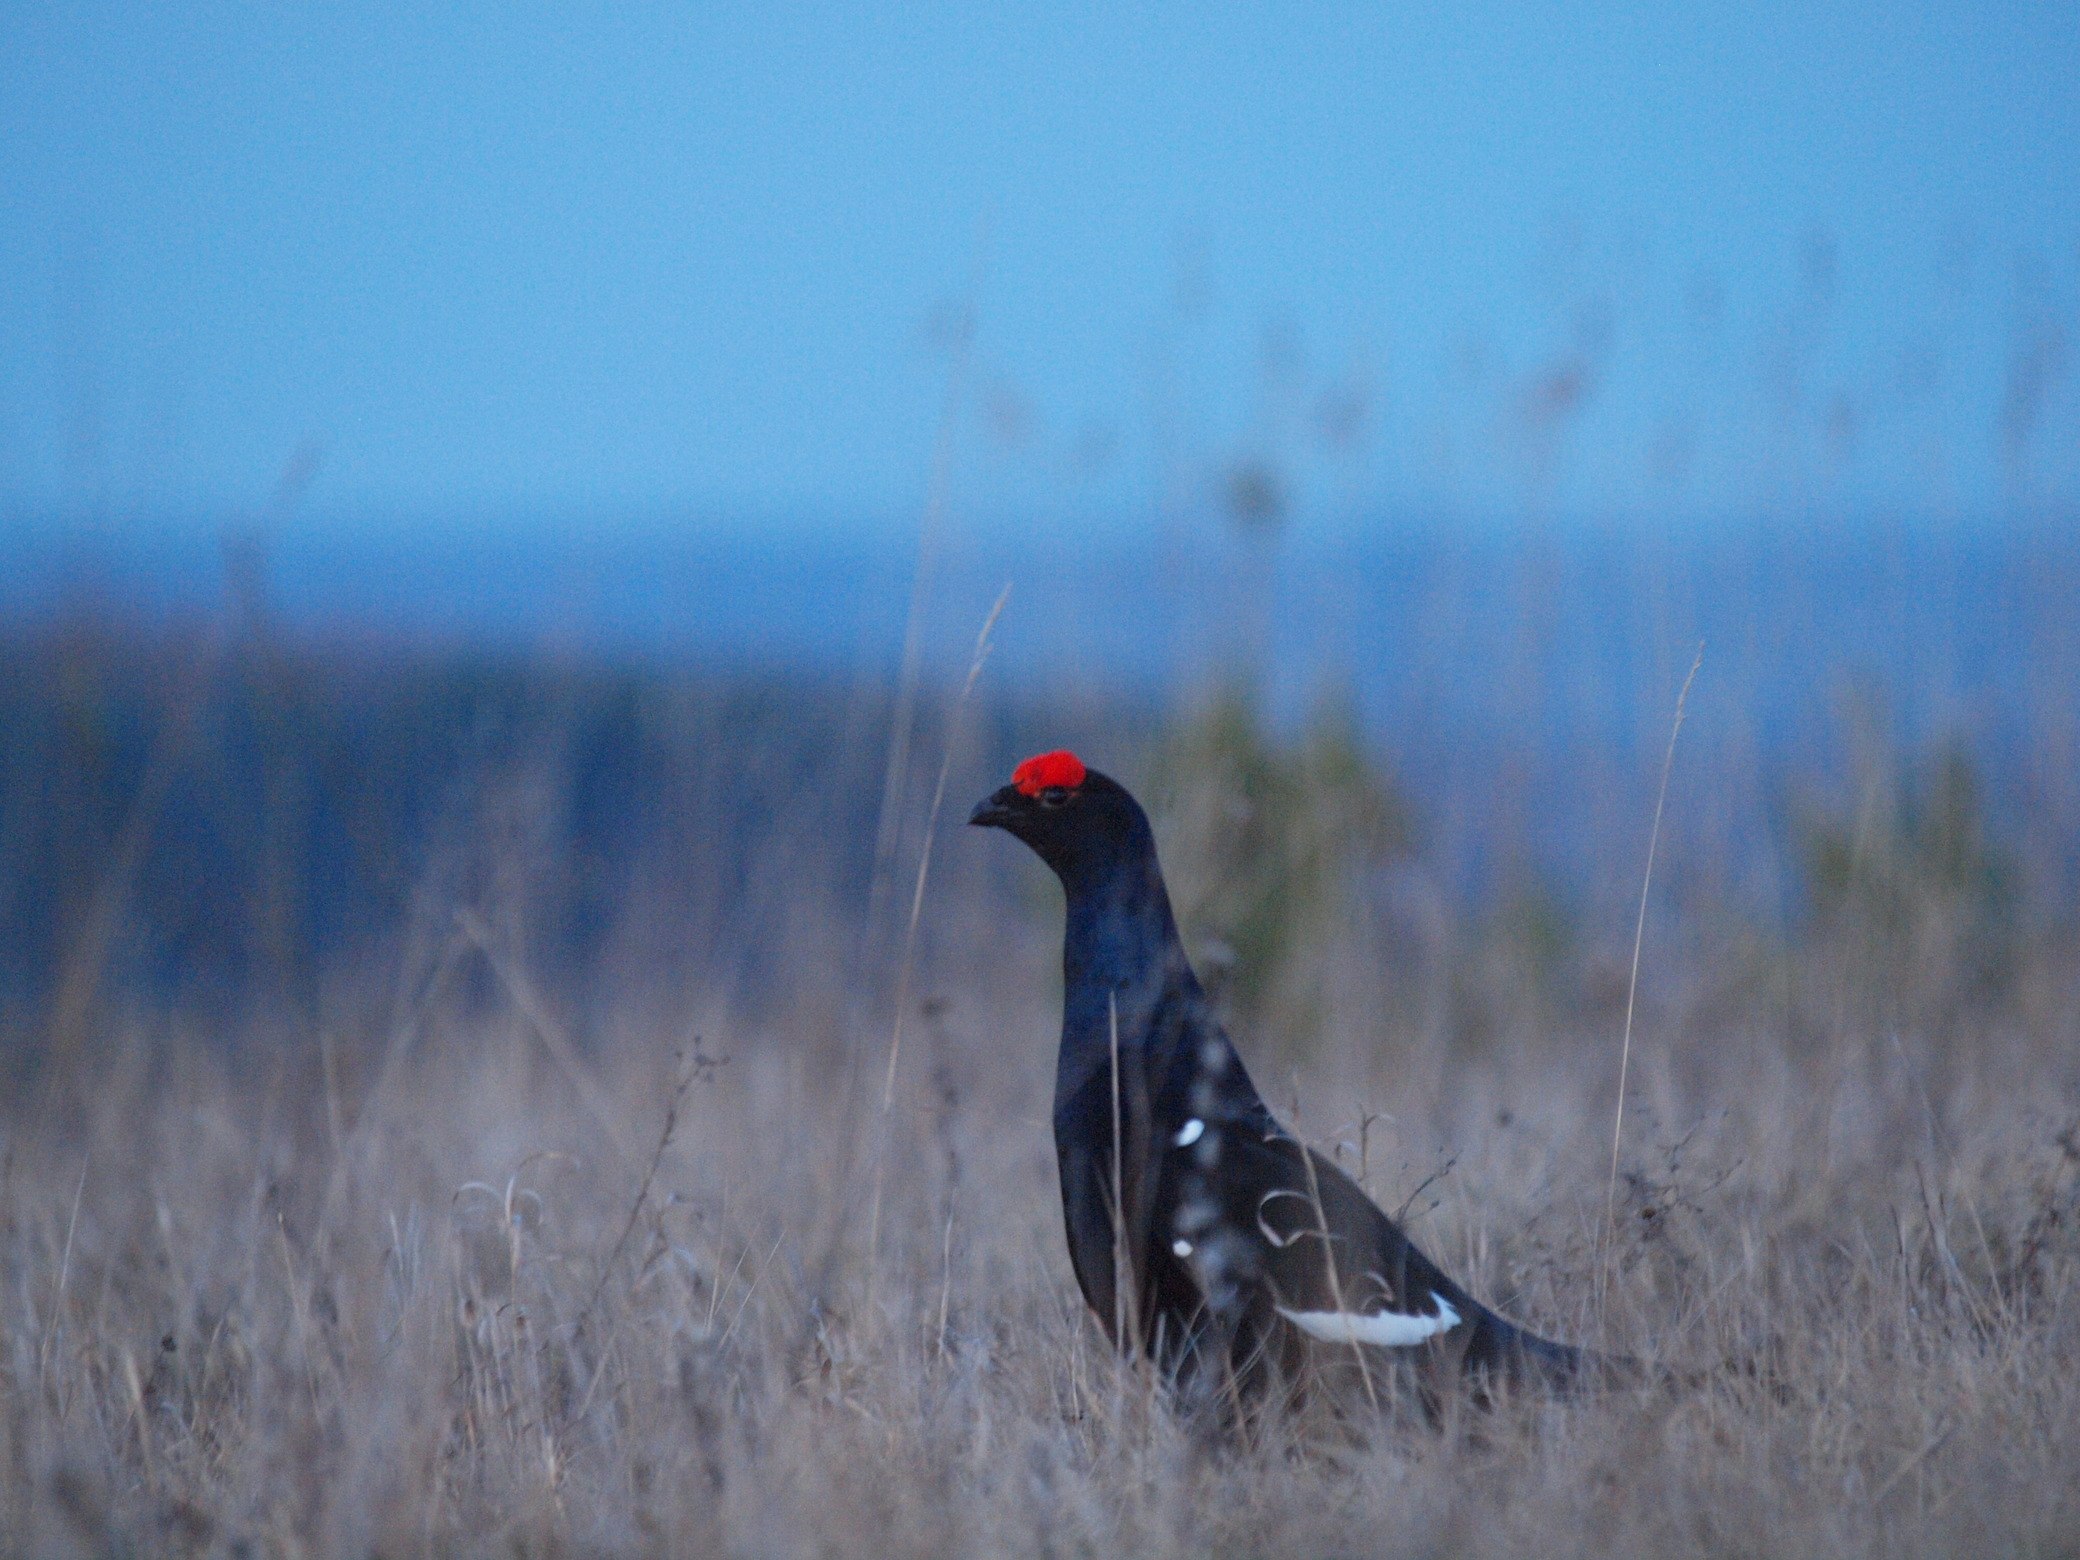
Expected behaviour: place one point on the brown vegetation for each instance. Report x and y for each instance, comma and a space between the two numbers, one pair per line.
449, 1253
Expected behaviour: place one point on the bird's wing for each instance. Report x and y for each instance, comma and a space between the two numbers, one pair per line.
1259, 1213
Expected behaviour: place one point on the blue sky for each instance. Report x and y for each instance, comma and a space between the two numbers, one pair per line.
513, 264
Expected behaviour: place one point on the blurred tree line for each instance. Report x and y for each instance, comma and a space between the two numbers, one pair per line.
221, 818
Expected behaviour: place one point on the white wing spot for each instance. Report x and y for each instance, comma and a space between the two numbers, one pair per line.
1181, 1247
1383, 1329
1188, 1134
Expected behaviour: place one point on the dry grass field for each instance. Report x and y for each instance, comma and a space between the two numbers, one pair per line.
444, 1254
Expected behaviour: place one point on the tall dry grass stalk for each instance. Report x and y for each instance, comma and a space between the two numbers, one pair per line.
907, 967
1639, 939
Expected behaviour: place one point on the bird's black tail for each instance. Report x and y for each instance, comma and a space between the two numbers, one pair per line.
1502, 1351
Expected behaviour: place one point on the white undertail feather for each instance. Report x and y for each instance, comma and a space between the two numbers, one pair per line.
1382, 1329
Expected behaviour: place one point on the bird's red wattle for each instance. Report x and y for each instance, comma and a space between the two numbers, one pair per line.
1045, 771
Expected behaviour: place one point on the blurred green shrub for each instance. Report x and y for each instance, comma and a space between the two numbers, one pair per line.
1907, 885
1267, 840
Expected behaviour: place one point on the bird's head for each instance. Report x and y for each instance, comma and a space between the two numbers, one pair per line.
1073, 818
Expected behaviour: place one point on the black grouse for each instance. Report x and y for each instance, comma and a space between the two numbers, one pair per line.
1244, 1252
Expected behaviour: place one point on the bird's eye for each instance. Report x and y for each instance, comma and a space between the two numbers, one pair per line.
1054, 796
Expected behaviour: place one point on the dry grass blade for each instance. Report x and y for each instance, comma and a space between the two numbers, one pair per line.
680, 1085
1639, 938
924, 868
939, 487
530, 1006
908, 966
50, 1325
1125, 1306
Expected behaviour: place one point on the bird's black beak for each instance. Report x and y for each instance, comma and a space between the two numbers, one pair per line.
996, 810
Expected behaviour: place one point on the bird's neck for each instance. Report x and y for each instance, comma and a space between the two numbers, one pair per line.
1120, 927
1121, 957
